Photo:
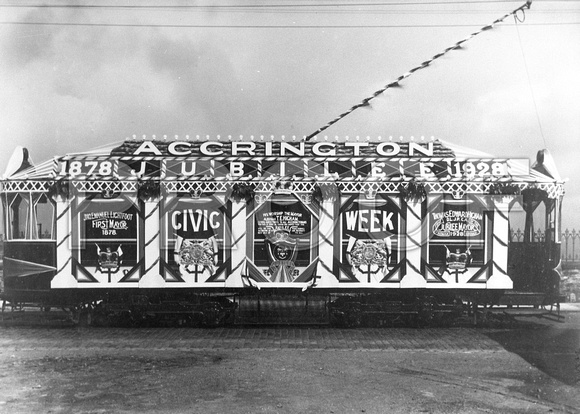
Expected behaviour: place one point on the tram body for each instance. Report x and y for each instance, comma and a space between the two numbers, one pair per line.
157, 217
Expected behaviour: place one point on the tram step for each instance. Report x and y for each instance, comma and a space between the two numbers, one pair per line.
522, 298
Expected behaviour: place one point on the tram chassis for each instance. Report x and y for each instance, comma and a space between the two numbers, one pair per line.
413, 307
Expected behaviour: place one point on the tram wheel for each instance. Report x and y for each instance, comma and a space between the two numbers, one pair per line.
353, 317
213, 315
85, 317
425, 313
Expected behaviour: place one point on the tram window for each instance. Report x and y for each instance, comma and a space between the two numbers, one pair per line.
19, 217
30, 217
43, 217
538, 225
517, 221
545, 222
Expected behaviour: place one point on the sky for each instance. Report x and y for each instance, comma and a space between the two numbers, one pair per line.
90, 73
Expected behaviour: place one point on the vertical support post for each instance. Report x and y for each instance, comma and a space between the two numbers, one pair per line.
64, 277
238, 238
499, 278
413, 246
326, 229
31, 218
152, 243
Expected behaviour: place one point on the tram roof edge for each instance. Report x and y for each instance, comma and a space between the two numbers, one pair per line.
545, 165
543, 170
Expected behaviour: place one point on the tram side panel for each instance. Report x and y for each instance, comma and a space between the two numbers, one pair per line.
99, 242
281, 240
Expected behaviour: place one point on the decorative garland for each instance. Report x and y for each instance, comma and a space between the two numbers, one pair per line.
148, 190
504, 189
413, 191
325, 191
534, 194
60, 189
242, 191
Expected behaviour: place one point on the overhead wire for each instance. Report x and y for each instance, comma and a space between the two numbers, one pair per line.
244, 6
517, 20
173, 7
315, 10
339, 8
350, 8
261, 6
233, 26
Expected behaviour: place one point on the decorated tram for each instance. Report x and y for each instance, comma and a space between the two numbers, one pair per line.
199, 229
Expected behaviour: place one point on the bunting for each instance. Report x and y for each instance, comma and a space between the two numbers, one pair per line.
395, 83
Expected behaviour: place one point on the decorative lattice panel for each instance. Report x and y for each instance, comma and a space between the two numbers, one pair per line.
26, 186
195, 186
457, 188
368, 187
108, 186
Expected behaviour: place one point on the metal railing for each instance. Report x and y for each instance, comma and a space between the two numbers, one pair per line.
570, 242
517, 236
570, 245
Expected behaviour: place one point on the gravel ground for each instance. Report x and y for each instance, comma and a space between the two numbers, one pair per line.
530, 367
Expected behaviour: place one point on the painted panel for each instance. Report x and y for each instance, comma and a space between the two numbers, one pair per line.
106, 237
282, 241
459, 240
367, 240
195, 241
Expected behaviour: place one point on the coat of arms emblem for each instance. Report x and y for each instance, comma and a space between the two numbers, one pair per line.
109, 261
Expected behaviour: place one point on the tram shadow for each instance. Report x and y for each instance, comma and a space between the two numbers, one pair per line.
554, 350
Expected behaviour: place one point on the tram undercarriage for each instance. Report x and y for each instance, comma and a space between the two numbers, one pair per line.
415, 308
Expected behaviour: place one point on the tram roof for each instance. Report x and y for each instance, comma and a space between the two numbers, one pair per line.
542, 171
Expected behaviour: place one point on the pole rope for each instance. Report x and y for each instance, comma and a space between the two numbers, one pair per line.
395, 83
